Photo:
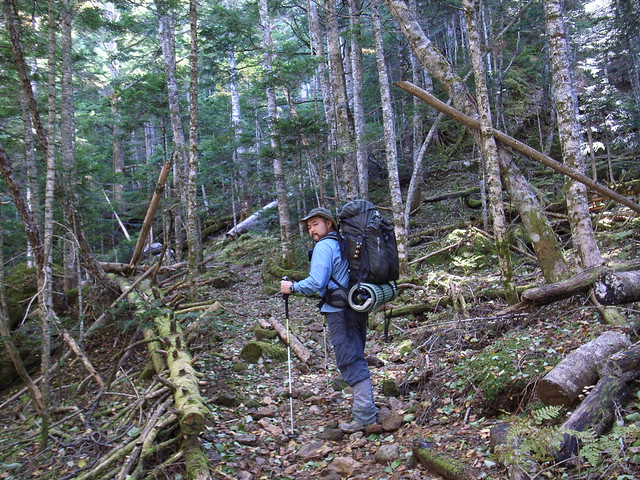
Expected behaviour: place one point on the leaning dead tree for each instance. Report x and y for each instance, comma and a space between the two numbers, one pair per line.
250, 221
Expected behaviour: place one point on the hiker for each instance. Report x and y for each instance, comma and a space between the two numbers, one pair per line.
329, 272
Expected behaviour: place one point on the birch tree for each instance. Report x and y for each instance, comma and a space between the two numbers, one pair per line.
166, 31
544, 240
569, 131
489, 151
278, 168
345, 165
194, 240
390, 141
357, 74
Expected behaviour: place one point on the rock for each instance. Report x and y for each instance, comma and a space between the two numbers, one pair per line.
392, 423
383, 414
374, 361
346, 466
247, 439
389, 388
373, 429
387, 454
333, 434
265, 412
243, 475
309, 451
315, 410
395, 404
226, 399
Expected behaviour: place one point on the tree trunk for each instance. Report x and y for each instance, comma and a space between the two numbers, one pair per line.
250, 221
545, 242
390, 142
357, 75
566, 103
346, 168
563, 384
597, 413
490, 152
440, 464
150, 215
297, 347
624, 365
616, 288
272, 116
194, 240
166, 30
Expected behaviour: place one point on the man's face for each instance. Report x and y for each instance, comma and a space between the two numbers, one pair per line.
318, 227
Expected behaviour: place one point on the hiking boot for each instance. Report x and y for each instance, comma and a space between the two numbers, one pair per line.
352, 426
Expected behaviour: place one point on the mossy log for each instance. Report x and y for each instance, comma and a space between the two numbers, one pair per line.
440, 464
252, 351
196, 462
188, 401
596, 413
579, 369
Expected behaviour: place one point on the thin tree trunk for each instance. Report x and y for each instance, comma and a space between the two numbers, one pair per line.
346, 168
566, 103
278, 168
490, 152
390, 142
166, 30
545, 242
194, 241
357, 75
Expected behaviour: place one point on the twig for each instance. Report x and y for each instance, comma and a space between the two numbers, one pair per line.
450, 247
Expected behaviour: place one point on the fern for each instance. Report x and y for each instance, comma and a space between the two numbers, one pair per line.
546, 414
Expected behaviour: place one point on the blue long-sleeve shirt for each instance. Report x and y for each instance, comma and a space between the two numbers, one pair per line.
326, 262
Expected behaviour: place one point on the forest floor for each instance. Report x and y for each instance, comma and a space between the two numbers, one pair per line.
446, 376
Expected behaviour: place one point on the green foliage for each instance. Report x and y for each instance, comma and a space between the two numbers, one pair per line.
502, 370
532, 440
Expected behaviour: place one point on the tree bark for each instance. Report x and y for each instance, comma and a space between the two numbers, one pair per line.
563, 384
272, 117
490, 152
616, 288
624, 365
390, 142
545, 242
357, 75
596, 412
566, 103
194, 240
150, 215
346, 168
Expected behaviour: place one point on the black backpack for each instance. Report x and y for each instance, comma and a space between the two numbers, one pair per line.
370, 243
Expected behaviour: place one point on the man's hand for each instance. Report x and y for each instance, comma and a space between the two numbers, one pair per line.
286, 287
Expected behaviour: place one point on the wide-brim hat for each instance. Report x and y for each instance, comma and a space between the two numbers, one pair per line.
318, 212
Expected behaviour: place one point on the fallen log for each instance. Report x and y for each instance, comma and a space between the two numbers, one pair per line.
624, 365
596, 412
250, 221
298, 348
553, 292
440, 464
563, 384
617, 288
579, 283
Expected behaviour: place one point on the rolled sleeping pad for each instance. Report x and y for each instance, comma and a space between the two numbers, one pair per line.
370, 296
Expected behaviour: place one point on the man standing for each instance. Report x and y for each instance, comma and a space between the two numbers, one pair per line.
347, 328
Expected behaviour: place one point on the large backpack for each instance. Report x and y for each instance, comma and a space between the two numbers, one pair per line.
370, 243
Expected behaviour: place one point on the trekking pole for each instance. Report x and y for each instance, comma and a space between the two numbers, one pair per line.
326, 356
286, 316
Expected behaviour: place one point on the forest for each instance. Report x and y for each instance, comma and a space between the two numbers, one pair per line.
156, 156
